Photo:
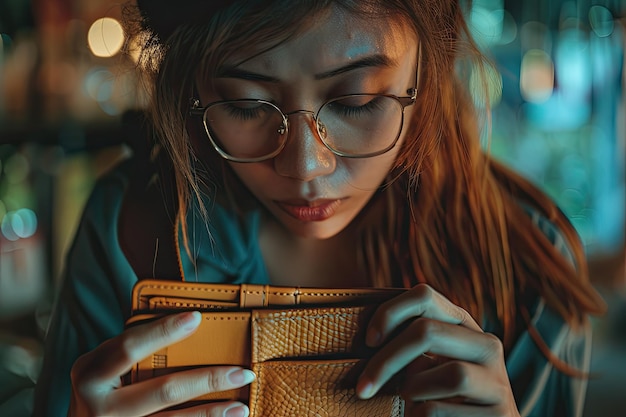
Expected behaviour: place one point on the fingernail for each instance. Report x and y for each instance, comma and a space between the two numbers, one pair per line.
237, 411
241, 377
365, 389
189, 321
373, 338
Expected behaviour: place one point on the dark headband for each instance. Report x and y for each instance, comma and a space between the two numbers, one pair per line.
162, 17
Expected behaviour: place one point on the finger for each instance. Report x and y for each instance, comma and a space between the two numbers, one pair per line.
454, 379
424, 362
420, 301
117, 356
177, 388
227, 409
434, 337
446, 409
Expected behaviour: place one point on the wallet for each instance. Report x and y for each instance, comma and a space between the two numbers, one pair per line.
305, 345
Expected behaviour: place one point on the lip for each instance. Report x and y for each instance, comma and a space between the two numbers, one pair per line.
310, 211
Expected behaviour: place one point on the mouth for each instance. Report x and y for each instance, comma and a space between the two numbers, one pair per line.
310, 211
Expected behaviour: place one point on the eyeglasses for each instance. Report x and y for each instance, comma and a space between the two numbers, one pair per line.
350, 126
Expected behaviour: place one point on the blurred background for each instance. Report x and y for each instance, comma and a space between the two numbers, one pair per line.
559, 118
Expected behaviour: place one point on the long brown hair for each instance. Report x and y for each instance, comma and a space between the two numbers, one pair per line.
454, 217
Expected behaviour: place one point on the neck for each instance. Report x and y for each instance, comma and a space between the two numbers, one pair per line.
298, 261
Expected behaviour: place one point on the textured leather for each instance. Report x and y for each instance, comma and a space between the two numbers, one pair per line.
306, 345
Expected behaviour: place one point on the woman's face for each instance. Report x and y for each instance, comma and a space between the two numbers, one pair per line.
311, 191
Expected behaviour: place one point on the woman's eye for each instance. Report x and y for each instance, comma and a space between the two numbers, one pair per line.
244, 110
360, 105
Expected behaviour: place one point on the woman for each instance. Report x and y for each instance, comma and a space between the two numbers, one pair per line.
331, 144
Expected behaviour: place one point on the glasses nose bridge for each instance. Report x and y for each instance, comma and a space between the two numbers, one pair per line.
314, 117
312, 113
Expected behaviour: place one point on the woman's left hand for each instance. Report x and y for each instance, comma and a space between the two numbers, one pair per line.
472, 381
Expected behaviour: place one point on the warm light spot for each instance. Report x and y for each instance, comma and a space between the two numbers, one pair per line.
536, 76
105, 37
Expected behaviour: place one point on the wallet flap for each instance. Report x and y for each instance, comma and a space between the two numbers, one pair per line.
186, 295
145, 290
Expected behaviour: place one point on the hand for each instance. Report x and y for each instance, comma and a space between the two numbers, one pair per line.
471, 381
96, 376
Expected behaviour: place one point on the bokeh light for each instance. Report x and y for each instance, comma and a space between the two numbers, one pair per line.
101, 85
486, 25
16, 168
573, 64
536, 76
3, 210
601, 21
95, 79
19, 224
509, 29
105, 37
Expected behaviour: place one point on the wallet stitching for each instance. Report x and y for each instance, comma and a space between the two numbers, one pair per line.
252, 292
318, 294
187, 304
303, 315
180, 288
184, 288
225, 318
234, 291
294, 364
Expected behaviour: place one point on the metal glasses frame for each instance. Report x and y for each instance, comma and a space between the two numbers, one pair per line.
404, 101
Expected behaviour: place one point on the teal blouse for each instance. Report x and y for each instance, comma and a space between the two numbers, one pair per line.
94, 303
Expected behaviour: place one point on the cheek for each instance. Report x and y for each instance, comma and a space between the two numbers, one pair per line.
256, 177
368, 174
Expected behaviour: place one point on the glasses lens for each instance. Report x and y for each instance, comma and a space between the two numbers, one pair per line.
245, 129
361, 124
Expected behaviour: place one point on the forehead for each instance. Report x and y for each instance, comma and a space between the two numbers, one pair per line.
335, 37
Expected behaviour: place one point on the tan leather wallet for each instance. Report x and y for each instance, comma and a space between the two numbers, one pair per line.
306, 345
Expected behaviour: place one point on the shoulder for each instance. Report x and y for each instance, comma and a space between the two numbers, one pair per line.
550, 231
546, 363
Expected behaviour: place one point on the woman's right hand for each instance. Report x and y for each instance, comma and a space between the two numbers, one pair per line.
96, 376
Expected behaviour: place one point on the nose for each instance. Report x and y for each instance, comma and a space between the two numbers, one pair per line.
305, 156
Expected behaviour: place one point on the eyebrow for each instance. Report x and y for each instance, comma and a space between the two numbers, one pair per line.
377, 61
